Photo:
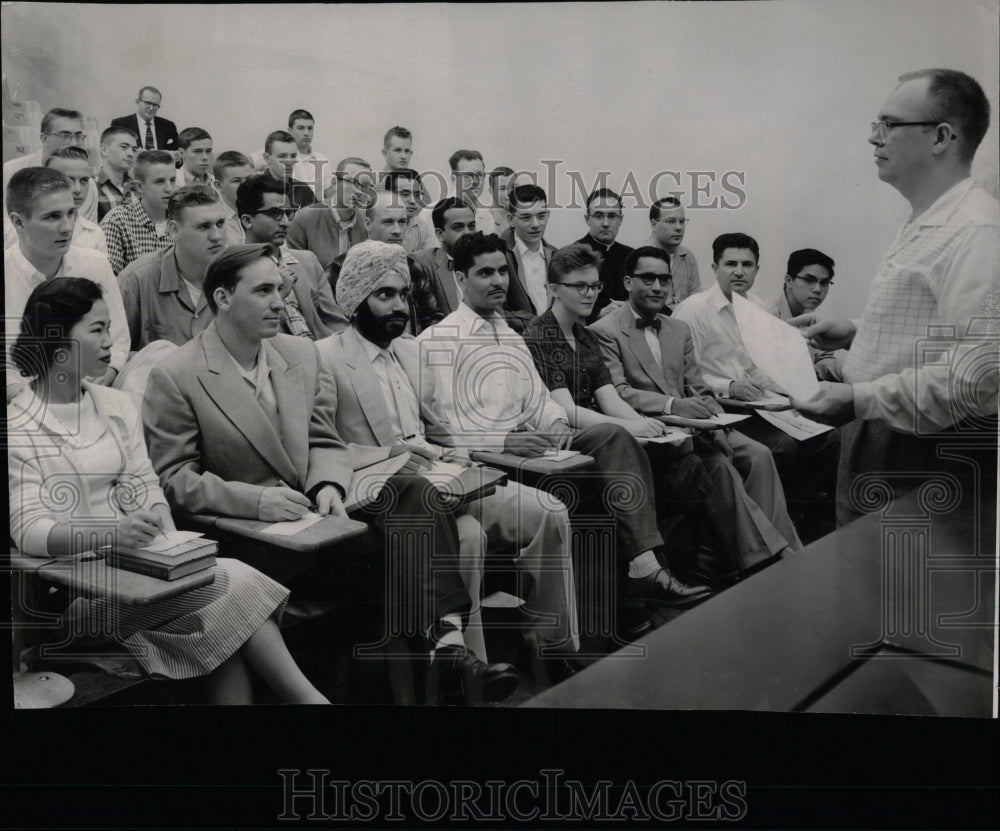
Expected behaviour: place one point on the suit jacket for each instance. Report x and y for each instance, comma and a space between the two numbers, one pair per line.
212, 445
612, 271
440, 276
315, 298
634, 372
423, 304
362, 414
164, 130
518, 308
315, 228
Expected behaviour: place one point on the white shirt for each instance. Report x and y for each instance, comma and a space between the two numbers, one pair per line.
484, 381
235, 232
534, 273
21, 277
400, 398
184, 177
718, 346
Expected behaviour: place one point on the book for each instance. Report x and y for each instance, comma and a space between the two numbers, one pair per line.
772, 402
194, 554
140, 565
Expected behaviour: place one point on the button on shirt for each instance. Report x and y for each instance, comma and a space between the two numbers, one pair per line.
534, 274
718, 346
485, 383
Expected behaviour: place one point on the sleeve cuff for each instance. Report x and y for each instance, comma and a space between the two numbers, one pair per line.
864, 401
35, 540
668, 408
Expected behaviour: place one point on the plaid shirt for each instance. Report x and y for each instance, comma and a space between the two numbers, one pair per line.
109, 196
130, 234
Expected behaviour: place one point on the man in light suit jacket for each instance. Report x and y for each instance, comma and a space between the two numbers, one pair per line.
162, 131
452, 219
240, 421
377, 368
528, 255
652, 364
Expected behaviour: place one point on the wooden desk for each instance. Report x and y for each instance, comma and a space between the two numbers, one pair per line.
327, 532
788, 638
538, 465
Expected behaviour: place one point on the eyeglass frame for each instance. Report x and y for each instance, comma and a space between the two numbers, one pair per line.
810, 280
149, 104
882, 127
648, 279
287, 213
584, 288
66, 135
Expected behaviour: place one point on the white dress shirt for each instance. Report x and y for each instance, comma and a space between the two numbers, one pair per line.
534, 274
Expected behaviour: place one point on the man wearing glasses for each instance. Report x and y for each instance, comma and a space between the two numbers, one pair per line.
808, 279
922, 371
329, 230
604, 219
668, 223
154, 133
309, 307
60, 128
468, 177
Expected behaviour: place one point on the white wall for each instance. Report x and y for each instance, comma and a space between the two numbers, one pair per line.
783, 91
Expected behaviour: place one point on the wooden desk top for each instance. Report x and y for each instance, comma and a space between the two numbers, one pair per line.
778, 639
508, 461
97, 578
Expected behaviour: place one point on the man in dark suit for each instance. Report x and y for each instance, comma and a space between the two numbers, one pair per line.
652, 364
240, 422
452, 219
154, 133
604, 219
528, 255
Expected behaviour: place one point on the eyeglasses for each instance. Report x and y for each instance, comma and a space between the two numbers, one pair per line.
611, 216
65, 135
584, 288
812, 281
882, 127
648, 279
277, 213
149, 104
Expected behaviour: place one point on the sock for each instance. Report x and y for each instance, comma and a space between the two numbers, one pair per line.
446, 632
644, 565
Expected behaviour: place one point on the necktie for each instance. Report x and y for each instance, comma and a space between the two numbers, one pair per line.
642, 323
293, 320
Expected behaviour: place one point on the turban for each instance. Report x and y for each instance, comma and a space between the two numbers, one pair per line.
365, 266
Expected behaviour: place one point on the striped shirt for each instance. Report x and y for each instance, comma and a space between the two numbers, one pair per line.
130, 234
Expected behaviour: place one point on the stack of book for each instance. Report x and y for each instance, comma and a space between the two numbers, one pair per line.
168, 557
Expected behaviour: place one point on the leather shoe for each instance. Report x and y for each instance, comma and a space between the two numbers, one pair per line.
458, 676
663, 589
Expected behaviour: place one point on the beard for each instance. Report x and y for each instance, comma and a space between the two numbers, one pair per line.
380, 329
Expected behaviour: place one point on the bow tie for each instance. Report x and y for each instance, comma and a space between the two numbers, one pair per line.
642, 323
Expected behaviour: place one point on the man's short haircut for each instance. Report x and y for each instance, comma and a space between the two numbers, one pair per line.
475, 245
604, 193
632, 260
378, 197
392, 179
459, 155
497, 172
525, 195
111, 132
960, 101
229, 159
449, 203
58, 112
190, 135
671, 203
29, 183
224, 269
153, 90
300, 115
572, 258
724, 241
147, 158
351, 160
190, 196
276, 136
250, 193
396, 132
77, 154
805, 257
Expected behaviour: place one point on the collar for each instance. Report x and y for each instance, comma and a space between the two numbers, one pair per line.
340, 223
103, 178
170, 274
136, 206
717, 298
372, 351
470, 322
784, 309
594, 243
35, 411
191, 179
285, 255
944, 206
24, 265
635, 313
259, 374
523, 249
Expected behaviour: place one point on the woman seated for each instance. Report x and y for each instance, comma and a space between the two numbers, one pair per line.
77, 467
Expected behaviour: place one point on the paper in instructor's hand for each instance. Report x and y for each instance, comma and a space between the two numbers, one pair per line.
778, 350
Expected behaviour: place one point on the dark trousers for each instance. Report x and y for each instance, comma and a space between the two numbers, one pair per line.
806, 467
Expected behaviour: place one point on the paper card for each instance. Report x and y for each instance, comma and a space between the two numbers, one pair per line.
559, 455
292, 526
795, 425
724, 419
442, 474
165, 542
778, 349
671, 437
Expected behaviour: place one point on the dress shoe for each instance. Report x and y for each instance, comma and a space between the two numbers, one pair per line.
458, 676
663, 589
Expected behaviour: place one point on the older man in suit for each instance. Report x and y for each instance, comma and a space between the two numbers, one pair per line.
377, 368
240, 421
154, 133
651, 359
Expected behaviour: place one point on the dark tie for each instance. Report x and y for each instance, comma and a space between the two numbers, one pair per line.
149, 135
643, 322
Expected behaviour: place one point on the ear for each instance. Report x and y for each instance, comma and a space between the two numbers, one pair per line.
384, 151
439, 233
173, 226
788, 279
17, 220
246, 221
221, 297
944, 134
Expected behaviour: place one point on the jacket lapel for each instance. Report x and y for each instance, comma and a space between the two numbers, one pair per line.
637, 343
367, 388
226, 387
